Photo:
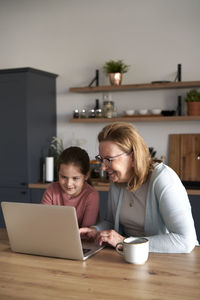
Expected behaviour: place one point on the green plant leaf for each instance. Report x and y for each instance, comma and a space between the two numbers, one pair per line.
113, 66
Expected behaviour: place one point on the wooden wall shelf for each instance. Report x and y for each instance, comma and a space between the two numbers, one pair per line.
140, 86
136, 119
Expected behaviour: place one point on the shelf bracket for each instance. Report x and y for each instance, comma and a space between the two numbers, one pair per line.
95, 79
179, 73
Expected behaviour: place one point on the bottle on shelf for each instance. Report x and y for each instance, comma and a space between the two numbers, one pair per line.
97, 104
97, 109
179, 106
108, 106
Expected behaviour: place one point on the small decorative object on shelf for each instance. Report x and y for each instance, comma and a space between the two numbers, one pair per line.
83, 114
55, 149
193, 103
98, 113
76, 114
108, 106
91, 113
115, 69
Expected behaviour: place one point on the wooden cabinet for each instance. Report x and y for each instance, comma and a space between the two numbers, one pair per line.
184, 153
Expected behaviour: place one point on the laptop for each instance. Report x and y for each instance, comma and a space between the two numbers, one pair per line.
47, 230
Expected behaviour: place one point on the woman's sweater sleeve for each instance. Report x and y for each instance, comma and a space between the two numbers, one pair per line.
170, 208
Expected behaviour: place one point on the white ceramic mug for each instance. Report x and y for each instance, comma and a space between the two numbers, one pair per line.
135, 250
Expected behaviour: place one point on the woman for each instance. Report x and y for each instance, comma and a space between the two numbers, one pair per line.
146, 197
74, 187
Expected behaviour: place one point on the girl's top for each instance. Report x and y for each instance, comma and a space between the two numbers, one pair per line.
86, 203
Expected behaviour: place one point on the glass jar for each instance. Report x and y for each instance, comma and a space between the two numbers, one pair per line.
108, 108
83, 114
91, 113
98, 113
76, 114
95, 169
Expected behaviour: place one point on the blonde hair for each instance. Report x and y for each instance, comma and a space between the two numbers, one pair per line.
126, 137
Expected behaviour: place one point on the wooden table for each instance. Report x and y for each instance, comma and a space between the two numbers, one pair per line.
103, 276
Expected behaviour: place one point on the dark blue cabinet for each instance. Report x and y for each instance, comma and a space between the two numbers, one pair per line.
195, 204
36, 195
12, 195
27, 124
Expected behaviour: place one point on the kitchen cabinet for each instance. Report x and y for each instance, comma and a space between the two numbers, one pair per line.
36, 195
27, 124
12, 195
195, 205
137, 87
184, 156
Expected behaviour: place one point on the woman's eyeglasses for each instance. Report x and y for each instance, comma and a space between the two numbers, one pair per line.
108, 160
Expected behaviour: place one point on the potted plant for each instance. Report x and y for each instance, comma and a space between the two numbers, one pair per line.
193, 102
115, 69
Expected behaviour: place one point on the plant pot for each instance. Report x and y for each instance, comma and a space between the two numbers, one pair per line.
115, 78
193, 108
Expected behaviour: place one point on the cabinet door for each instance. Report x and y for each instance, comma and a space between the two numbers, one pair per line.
13, 132
36, 195
195, 204
183, 156
190, 165
12, 195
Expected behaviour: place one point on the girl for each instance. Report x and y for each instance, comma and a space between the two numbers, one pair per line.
74, 186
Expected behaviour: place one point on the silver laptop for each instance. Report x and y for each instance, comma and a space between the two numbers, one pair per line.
47, 230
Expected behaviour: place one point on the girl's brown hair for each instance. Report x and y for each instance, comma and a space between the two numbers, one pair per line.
77, 157
126, 137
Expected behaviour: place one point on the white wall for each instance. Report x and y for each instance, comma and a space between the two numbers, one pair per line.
72, 38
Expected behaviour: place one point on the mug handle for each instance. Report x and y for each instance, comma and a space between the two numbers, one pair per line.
119, 251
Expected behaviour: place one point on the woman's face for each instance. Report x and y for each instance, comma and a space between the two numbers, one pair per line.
71, 179
120, 168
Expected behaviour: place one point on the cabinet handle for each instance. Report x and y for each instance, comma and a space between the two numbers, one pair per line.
198, 156
23, 183
24, 193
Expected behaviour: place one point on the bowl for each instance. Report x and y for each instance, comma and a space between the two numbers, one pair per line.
168, 112
143, 111
129, 112
156, 111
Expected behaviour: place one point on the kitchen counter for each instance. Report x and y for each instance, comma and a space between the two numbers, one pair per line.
101, 186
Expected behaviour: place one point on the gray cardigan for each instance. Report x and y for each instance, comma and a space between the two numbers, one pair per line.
169, 225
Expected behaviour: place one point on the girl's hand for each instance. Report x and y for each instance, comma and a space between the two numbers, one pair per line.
88, 233
110, 237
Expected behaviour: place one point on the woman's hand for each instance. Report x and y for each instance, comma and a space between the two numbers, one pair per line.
88, 233
110, 237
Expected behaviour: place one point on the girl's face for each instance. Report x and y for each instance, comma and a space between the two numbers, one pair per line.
71, 179
120, 168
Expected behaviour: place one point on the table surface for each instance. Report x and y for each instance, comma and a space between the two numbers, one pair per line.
103, 276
